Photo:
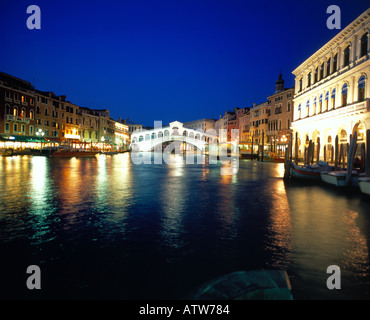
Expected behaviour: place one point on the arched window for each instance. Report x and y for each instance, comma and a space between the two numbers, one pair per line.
361, 88
364, 40
166, 133
160, 134
346, 56
316, 75
141, 138
23, 113
31, 114
328, 67
191, 135
46, 112
147, 137
344, 94
300, 85
15, 111
308, 108
320, 104
335, 63
322, 71
154, 135
333, 98
327, 101
309, 79
7, 109
175, 131
299, 111
314, 105
184, 133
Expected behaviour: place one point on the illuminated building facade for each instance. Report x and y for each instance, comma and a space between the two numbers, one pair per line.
49, 115
259, 123
121, 136
280, 111
29, 117
17, 106
332, 90
201, 124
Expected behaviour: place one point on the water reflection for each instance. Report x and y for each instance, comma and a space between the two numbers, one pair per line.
181, 220
119, 190
326, 232
280, 241
173, 200
356, 253
42, 205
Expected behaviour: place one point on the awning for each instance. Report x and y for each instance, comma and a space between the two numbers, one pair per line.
54, 139
15, 138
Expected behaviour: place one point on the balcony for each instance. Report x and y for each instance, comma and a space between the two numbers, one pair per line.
272, 132
10, 117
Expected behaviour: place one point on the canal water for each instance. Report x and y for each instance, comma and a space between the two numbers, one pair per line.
105, 228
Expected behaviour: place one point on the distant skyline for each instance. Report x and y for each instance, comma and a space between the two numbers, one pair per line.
165, 60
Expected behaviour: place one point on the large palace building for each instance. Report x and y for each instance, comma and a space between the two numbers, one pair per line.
332, 90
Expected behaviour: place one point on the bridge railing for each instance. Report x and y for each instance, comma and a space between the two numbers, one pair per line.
172, 138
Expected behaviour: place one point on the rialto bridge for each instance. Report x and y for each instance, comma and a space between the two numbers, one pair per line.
187, 138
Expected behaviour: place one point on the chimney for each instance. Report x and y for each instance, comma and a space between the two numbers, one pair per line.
119, 119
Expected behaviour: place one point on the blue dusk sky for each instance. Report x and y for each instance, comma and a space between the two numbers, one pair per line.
165, 60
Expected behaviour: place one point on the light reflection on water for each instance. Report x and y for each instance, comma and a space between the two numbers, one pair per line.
109, 217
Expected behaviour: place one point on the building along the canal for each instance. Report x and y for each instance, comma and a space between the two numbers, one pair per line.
332, 90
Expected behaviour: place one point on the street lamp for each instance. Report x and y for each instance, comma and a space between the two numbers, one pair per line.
40, 133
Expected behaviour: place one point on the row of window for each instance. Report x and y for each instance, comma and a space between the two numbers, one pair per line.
289, 95
22, 113
319, 73
277, 125
16, 97
21, 129
258, 122
15, 112
321, 105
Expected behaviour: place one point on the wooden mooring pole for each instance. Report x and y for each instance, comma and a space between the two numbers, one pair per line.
263, 144
367, 165
252, 148
336, 153
296, 148
318, 150
287, 162
351, 157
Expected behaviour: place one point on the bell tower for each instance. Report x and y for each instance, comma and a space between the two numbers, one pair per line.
279, 84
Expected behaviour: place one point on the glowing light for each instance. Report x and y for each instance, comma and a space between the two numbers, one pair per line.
72, 136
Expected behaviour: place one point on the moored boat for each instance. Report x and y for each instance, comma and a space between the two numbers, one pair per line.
72, 154
338, 178
364, 184
6, 152
309, 172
